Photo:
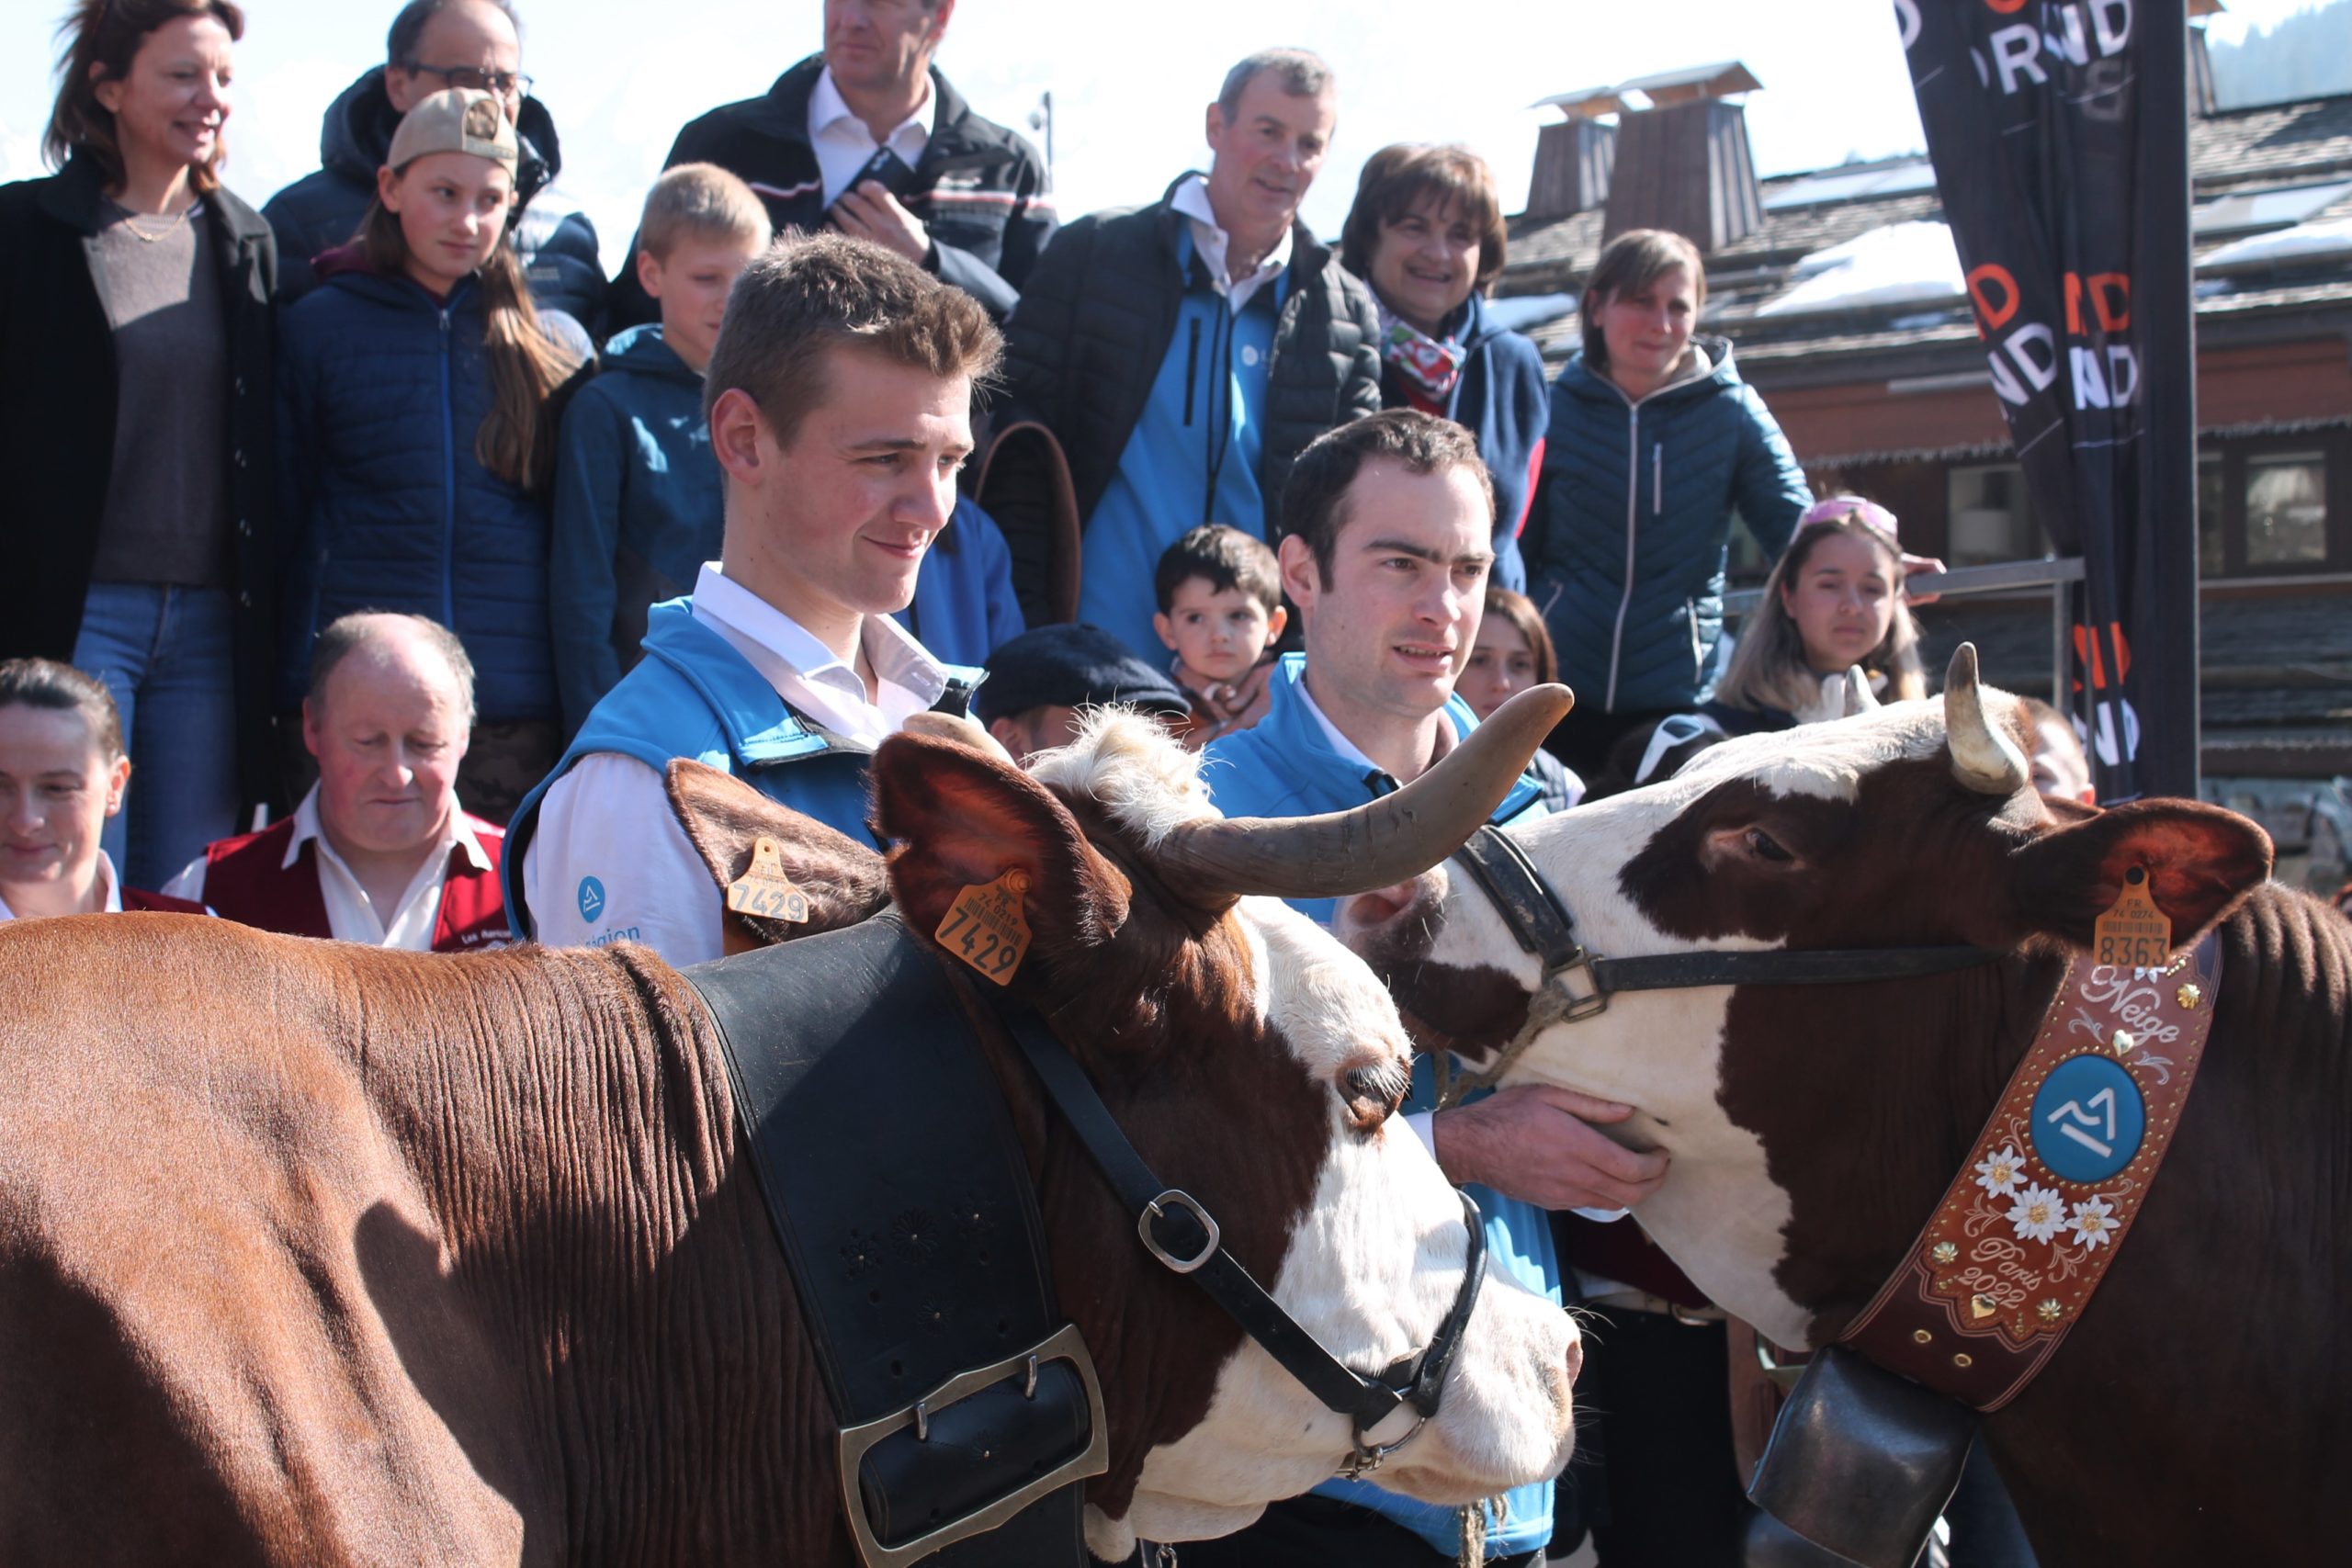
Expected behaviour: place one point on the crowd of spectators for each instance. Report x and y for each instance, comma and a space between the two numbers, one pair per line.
403, 551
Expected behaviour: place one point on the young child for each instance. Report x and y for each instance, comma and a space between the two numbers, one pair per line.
636, 501
417, 395
1221, 612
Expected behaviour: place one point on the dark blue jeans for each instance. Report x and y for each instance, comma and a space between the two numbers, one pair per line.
164, 654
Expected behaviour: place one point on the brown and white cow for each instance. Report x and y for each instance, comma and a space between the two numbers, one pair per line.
2197, 1412
321, 1254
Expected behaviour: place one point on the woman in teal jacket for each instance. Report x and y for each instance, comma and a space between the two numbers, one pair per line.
1655, 442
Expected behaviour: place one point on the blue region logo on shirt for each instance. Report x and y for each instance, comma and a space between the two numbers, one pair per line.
592, 899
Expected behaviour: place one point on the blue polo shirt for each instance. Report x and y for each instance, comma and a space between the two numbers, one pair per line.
1286, 766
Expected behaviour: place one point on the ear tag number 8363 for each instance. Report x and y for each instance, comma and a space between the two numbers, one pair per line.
987, 928
2133, 933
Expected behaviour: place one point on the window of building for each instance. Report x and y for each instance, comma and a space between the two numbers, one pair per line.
1990, 516
2285, 509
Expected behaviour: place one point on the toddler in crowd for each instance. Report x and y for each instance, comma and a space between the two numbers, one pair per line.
636, 493
1221, 613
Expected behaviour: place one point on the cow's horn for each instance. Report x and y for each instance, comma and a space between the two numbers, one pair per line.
1380, 843
1857, 696
1983, 760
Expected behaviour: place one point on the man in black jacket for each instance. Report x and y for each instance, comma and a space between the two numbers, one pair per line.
432, 45
976, 206
1184, 353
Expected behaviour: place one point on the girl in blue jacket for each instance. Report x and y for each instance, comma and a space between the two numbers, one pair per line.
416, 394
1426, 232
1655, 441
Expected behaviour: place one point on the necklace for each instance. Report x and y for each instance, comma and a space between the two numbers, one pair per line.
145, 236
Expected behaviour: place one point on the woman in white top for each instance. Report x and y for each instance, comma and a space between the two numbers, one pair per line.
62, 772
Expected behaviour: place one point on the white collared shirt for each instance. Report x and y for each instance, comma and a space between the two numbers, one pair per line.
610, 861
1192, 200
843, 143
352, 915
809, 675
106, 879
1351, 753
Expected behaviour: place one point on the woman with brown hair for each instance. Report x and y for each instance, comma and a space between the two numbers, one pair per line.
417, 395
1513, 652
1655, 441
135, 416
1833, 602
1426, 232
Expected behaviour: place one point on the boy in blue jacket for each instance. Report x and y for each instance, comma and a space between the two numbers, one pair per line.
1388, 540
637, 501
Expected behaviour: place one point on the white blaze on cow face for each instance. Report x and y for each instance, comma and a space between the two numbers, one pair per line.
1372, 1268
1719, 1213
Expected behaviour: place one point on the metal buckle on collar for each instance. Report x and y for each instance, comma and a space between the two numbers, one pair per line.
1368, 1457
1572, 1005
1065, 1344
1176, 1198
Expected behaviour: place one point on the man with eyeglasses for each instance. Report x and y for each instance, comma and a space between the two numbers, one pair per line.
434, 45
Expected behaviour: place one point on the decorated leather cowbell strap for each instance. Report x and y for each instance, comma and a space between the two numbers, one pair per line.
2031, 1224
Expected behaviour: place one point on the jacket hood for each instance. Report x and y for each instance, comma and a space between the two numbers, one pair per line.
1580, 379
640, 351
356, 134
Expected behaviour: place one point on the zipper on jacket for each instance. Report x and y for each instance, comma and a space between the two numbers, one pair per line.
1192, 365
1658, 479
1698, 654
1633, 507
448, 484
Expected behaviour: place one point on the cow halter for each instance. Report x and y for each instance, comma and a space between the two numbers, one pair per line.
1181, 1233
1542, 925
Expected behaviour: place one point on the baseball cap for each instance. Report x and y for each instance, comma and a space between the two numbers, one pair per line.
456, 120
1072, 666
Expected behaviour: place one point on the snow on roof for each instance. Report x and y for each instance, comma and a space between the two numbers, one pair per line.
1899, 263
1522, 313
2329, 236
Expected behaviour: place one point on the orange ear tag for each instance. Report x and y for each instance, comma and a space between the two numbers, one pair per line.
2134, 933
986, 927
763, 891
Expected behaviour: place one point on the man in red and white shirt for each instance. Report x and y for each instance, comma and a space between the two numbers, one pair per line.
380, 851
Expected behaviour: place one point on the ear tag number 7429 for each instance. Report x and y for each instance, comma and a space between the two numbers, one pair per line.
987, 928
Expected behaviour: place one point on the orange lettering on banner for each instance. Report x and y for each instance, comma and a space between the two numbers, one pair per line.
2005, 7
1994, 272
2089, 650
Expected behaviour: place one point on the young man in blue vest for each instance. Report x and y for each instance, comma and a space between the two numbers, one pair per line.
1388, 530
840, 397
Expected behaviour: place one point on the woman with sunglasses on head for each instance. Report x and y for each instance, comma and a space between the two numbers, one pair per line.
136, 417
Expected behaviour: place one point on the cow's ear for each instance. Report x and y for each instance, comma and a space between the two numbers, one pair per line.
725, 818
2201, 860
965, 818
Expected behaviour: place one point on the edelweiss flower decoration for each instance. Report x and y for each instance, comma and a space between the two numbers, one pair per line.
2094, 1222
1997, 1173
2038, 1214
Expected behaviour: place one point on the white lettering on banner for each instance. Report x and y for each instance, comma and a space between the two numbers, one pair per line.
2114, 36
2114, 384
2103, 737
2018, 49
1906, 20
2014, 50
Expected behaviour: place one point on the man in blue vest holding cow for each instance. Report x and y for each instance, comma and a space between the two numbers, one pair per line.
1388, 530
840, 396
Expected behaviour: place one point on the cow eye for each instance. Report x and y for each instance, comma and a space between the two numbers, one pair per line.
1766, 847
1374, 1093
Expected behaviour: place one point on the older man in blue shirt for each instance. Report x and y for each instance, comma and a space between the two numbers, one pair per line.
1388, 533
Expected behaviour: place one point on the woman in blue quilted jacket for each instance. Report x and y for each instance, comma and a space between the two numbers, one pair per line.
1655, 443
416, 392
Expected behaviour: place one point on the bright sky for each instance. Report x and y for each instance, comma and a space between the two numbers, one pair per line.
1130, 80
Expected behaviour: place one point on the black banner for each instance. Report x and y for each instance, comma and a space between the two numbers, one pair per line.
2058, 130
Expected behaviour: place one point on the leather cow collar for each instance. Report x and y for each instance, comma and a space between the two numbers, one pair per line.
968, 1404
2043, 1202
1539, 922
